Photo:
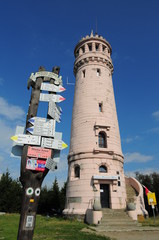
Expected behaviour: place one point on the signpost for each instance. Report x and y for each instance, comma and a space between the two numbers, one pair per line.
53, 143
39, 145
54, 111
41, 131
52, 88
44, 97
38, 152
26, 139
152, 201
35, 164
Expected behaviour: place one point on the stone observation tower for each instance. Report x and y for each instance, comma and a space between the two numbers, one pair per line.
95, 160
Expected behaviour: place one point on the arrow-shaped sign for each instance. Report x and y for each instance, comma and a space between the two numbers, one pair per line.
54, 111
44, 131
47, 97
53, 143
51, 164
51, 87
26, 139
41, 121
42, 127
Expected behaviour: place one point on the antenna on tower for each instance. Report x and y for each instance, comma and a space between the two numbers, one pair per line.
69, 83
96, 26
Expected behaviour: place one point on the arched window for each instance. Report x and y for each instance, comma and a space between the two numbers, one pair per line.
103, 169
77, 171
102, 141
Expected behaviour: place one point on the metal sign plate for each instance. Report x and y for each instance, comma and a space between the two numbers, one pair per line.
51, 87
38, 152
26, 139
33, 76
35, 164
54, 97
29, 221
54, 111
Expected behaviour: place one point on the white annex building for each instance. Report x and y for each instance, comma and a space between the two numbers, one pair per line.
95, 174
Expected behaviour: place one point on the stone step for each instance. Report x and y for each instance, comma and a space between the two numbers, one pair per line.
121, 229
117, 222
116, 219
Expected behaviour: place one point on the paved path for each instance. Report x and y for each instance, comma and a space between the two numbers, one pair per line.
145, 233
135, 235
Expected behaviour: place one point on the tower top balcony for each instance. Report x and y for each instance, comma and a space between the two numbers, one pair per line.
93, 48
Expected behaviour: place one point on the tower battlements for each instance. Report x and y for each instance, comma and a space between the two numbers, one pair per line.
93, 49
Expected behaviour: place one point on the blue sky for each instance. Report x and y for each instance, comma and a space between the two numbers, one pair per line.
36, 32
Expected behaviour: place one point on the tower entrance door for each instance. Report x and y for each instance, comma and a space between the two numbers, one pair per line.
104, 195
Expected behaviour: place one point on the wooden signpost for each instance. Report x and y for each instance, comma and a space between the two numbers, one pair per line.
37, 157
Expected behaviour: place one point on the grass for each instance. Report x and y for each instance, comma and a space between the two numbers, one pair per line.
47, 229
150, 222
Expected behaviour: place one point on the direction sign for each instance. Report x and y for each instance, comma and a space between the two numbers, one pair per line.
35, 164
53, 143
42, 131
55, 107
54, 111
41, 121
46, 74
54, 97
51, 87
51, 164
151, 198
38, 152
26, 139
42, 127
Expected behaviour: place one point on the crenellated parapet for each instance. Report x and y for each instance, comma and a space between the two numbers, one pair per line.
93, 50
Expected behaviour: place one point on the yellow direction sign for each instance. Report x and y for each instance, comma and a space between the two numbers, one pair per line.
151, 198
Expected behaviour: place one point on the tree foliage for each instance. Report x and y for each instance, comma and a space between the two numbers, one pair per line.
51, 201
11, 192
151, 181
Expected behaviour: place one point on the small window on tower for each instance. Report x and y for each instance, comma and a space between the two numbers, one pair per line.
100, 107
83, 73
103, 169
119, 184
98, 72
77, 171
90, 47
102, 140
97, 47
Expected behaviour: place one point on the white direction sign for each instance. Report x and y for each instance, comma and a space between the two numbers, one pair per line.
42, 127
41, 121
26, 139
45, 131
53, 143
51, 164
58, 80
52, 88
54, 111
54, 97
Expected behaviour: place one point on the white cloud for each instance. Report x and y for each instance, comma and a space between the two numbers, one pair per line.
130, 139
156, 115
6, 132
142, 171
11, 112
137, 157
153, 130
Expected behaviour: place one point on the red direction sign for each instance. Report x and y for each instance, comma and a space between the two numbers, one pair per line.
38, 152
